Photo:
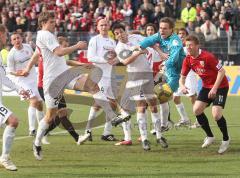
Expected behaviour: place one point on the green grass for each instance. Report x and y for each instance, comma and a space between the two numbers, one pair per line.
183, 158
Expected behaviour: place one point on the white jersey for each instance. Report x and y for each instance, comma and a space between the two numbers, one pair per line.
18, 60
97, 48
4, 80
141, 64
52, 65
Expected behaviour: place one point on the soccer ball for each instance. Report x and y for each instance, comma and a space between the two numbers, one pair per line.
163, 92
160, 78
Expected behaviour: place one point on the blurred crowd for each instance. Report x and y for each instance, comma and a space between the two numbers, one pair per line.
209, 19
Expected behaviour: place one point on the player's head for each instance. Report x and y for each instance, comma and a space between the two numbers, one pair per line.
103, 26
119, 32
150, 29
46, 21
3, 36
63, 41
192, 45
16, 40
182, 33
166, 27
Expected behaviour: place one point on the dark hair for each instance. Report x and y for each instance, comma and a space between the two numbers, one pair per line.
150, 25
44, 17
182, 29
117, 26
2, 28
193, 38
168, 20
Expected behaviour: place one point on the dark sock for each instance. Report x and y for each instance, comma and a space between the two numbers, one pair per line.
69, 127
222, 124
53, 125
203, 121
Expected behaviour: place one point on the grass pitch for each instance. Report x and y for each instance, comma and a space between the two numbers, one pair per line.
183, 158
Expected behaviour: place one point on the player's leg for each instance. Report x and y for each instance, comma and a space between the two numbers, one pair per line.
217, 112
11, 122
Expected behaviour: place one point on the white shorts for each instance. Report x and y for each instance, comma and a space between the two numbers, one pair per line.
53, 102
4, 114
191, 83
108, 86
32, 90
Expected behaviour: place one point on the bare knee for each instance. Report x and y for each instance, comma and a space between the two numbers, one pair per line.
12, 121
176, 100
197, 110
216, 112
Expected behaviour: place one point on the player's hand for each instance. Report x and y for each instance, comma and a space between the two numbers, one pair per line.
212, 93
163, 56
24, 94
110, 55
23, 73
82, 45
114, 61
184, 89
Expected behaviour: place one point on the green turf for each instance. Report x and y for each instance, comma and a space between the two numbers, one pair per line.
183, 158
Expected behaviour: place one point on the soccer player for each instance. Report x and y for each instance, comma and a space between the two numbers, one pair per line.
17, 60
6, 116
54, 65
140, 82
191, 83
98, 47
214, 90
171, 44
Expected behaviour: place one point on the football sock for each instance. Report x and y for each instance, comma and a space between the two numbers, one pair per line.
56, 121
8, 137
203, 121
69, 127
222, 124
31, 118
182, 112
107, 128
42, 127
91, 117
164, 112
142, 124
157, 124
40, 115
154, 117
127, 130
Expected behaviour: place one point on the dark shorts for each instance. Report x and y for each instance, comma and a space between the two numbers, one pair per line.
62, 102
219, 100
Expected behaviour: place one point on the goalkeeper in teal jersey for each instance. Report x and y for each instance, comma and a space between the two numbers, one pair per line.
171, 45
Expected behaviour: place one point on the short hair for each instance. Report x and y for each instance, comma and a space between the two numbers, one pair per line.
168, 20
2, 28
150, 25
44, 17
117, 26
193, 38
182, 29
62, 39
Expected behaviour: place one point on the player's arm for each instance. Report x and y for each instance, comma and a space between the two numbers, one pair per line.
33, 61
92, 52
11, 66
77, 63
61, 51
149, 41
174, 53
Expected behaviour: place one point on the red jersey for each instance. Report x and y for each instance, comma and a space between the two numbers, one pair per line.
206, 65
40, 69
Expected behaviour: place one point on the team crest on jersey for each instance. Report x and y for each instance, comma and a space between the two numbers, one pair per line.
174, 42
202, 63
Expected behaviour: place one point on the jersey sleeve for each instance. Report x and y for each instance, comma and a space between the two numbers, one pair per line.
213, 62
185, 67
11, 62
50, 41
92, 52
150, 41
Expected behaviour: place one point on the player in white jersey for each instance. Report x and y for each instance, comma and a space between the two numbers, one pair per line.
55, 69
139, 86
99, 47
17, 60
6, 116
191, 84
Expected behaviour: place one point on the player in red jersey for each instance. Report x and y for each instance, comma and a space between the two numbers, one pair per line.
214, 89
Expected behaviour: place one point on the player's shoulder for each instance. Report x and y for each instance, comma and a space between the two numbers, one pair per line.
44, 34
206, 54
27, 46
175, 40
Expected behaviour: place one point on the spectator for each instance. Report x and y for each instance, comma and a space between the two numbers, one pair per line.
127, 12
189, 13
33, 22
209, 30
117, 16
147, 8
157, 15
59, 26
11, 23
137, 19
165, 9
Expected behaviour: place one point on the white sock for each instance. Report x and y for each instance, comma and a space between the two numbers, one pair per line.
40, 115
142, 125
127, 130
42, 127
107, 128
164, 112
182, 112
157, 124
8, 136
32, 117
91, 117
124, 113
102, 101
